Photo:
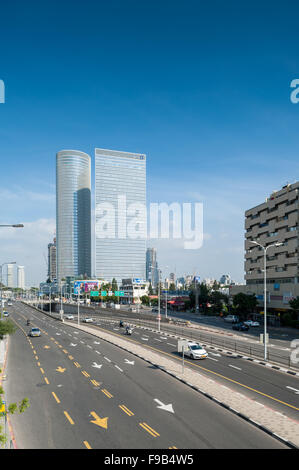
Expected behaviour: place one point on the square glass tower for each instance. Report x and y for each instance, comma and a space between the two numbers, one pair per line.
120, 187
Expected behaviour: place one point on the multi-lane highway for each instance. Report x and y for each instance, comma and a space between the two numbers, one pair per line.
87, 393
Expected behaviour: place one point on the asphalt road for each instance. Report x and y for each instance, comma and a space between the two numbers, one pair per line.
215, 330
86, 393
274, 389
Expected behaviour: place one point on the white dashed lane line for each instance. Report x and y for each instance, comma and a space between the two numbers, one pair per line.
234, 367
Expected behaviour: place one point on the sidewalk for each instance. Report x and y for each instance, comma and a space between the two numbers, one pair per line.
272, 422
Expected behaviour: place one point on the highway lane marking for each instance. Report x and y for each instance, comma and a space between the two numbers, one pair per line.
87, 445
47, 381
126, 410
77, 364
294, 389
150, 430
42, 370
108, 394
56, 398
85, 373
70, 357
68, 417
235, 367
95, 383
212, 359
169, 344
118, 368
107, 359
210, 372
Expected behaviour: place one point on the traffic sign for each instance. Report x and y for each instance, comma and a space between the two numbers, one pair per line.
103, 293
94, 293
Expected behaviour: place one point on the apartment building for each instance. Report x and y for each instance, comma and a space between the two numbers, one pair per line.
274, 221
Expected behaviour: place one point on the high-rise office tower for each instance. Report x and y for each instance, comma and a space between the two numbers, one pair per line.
10, 275
152, 266
52, 260
120, 189
21, 277
73, 214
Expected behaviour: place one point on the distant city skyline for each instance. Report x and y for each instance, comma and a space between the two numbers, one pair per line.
206, 99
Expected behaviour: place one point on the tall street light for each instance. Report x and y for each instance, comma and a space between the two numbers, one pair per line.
13, 225
265, 248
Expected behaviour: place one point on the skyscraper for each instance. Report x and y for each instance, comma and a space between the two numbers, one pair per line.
152, 266
120, 189
73, 214
52, 260
21, 277
10, 275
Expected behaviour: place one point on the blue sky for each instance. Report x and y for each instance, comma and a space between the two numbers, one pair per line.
203, 88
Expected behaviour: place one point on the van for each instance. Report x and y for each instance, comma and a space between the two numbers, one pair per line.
232, 318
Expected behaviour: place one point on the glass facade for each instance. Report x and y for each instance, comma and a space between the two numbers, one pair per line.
120, 182
73, 214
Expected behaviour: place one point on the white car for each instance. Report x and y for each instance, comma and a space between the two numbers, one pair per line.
88, 320
195, 351
69, 317
251, 323
9, 304
34, 332
5, 314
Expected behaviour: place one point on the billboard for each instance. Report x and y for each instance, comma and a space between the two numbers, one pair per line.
85, 287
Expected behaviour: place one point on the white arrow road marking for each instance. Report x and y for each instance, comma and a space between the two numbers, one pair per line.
162, 406
72, 344
96, 342
294, 389
98, 366
58, 334
129, 362
145, 339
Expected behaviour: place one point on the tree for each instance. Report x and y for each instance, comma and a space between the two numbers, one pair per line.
114, 285
244, 303
145, 299
7, 327
11, 409
150, 289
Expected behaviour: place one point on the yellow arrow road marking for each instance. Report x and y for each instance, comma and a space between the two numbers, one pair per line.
60, 369
102, 422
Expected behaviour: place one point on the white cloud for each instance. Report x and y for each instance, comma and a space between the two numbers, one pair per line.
28, 247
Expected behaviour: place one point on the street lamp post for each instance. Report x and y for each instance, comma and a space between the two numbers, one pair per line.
265, 248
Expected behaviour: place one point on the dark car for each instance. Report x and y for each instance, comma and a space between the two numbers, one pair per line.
240, 327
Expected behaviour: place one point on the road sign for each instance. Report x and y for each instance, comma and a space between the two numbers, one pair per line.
94, 293
103, 293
